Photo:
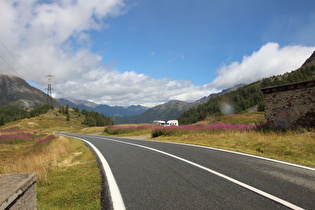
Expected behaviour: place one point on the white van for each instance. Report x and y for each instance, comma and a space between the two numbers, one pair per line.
172, 123
158, 122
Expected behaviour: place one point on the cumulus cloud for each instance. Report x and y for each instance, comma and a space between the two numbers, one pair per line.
109, 86
53, 37
269, 60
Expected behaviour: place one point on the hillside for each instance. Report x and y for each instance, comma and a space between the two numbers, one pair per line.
248, 96
168, 111
16, 91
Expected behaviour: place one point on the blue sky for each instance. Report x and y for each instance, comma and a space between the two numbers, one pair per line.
189, 40
145, 52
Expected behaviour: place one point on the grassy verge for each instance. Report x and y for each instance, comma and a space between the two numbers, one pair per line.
68, 174
292, 147
73, 182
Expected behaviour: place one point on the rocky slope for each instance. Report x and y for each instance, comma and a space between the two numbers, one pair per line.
16, 91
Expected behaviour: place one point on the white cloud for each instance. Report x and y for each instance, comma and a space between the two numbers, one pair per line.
115, 88
54, 38
268, 61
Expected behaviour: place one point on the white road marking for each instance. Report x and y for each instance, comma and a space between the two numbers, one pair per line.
267, 195
118, 203
244, 154
234, 152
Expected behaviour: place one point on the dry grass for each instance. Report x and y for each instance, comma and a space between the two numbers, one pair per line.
292, 147
38, 162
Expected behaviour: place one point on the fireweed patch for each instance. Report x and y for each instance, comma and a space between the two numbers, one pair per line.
11, 130
114, 130
15, 138
39, 144
198, 128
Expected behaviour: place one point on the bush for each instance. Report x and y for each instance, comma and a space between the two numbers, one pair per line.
267, 128
158, 132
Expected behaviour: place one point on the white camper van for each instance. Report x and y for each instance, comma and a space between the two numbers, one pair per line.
172, 123
158, 122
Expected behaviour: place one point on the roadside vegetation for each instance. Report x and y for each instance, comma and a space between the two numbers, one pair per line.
243, 133
68, 174
126, 130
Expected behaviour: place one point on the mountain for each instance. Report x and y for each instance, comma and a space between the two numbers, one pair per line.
75, 103
247, 96
168, 111
206, 98
103, 108
16, 91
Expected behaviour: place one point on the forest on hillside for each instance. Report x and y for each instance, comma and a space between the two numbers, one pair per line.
11, 113
245, 97
91, 118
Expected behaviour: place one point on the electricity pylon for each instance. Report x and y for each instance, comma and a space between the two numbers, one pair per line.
49, 81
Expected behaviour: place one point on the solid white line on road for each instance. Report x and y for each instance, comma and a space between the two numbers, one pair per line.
243, 154
267, 195
118, 203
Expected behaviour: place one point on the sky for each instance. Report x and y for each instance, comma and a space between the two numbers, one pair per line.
147, 52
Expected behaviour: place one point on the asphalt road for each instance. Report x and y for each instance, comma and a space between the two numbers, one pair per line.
160, 175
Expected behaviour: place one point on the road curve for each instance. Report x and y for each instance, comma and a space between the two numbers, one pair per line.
161, 175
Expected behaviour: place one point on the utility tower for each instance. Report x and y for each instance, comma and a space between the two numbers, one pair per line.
49, 81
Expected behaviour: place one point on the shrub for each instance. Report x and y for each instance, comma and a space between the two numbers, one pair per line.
266, 128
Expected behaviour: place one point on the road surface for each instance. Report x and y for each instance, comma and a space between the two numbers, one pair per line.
161, 175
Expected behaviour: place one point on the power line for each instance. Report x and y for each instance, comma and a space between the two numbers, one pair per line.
18, 61
10, 66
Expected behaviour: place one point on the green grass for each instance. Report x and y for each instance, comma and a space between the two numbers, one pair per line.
247, 119
75, 183
292, 147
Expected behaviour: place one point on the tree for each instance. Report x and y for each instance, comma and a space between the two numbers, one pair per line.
2, 122
67, 109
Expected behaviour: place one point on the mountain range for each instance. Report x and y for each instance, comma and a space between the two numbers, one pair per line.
140, 114
16, 91
103, 108
168, 111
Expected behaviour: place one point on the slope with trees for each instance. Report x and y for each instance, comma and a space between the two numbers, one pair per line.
11, 113
248, 95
